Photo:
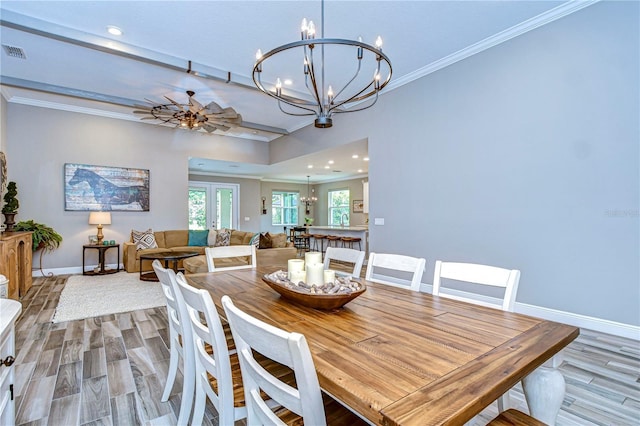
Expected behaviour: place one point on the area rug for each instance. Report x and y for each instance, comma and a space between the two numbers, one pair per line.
91, 296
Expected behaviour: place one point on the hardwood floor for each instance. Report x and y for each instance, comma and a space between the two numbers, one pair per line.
111, 370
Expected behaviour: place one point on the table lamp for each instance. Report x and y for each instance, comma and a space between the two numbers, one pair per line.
100, 218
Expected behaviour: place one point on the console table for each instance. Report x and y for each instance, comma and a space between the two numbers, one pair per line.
102, 249
15, 262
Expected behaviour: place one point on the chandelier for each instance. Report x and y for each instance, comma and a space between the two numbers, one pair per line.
326, 101
192, 115
308, 200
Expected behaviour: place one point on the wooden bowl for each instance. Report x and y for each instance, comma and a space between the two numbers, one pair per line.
316, 301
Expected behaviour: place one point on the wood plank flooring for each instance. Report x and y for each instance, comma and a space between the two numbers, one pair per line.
111, 370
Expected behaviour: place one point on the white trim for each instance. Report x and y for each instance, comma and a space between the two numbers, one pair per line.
68, 271
489, 42
583, 321
578, 320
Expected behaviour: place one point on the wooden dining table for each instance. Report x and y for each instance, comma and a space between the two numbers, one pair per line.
400, 357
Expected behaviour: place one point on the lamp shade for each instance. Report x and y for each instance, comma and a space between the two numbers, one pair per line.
100, 218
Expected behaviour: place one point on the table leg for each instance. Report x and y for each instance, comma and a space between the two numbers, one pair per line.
101, 259
544, 391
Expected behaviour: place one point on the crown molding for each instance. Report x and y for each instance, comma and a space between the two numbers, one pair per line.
496, 39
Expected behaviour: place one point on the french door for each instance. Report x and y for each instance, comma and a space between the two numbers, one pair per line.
213, 205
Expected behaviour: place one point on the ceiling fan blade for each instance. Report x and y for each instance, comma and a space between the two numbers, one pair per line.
209, 128
147, 118
213, 108
142, 112
194, 106
174, 103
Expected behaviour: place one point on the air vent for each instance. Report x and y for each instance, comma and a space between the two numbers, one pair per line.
14, 52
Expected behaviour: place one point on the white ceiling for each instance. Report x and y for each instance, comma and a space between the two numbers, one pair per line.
72, 62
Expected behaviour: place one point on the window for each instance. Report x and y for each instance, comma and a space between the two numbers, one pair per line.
284, 208
339, 206
213, 205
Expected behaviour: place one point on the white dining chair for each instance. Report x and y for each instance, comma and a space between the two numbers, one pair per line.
222, 252
289, 349
179, 340
212, 357
475, 277
395, 270
340, 254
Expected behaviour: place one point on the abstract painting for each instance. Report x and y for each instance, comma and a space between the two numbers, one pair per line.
102, 188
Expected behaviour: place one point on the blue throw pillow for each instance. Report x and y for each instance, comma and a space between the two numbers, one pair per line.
198, 238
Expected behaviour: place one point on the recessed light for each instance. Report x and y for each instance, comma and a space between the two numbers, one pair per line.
113, 30
310, 166
354, 156
359, 170
330, 161
365, 159
288, 82
327, 167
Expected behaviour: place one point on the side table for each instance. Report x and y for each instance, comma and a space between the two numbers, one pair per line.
102, 249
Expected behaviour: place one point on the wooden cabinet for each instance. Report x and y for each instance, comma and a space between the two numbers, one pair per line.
15, 262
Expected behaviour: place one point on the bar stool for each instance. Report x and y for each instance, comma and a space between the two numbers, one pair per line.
306, 241
332, 240
349, 241
320, 238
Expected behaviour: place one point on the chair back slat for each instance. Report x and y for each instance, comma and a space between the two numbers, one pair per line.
222, 252
477, 275
342, 254
399, 263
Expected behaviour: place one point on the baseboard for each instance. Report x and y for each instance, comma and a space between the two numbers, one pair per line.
583, 321
36, 273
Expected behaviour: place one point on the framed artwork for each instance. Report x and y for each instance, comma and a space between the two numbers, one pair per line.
102, 188
357, 206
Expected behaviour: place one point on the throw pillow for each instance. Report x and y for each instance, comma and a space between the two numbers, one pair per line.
223, 238
265, 241
198, 237
143, 239
278, 240
255, 240
211, 239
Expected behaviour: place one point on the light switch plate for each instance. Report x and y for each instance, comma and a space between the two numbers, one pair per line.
378, 221
247, 218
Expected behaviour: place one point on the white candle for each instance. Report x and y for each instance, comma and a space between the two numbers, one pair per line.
315, 273
294, 265
313, 257
297, 276
329, 276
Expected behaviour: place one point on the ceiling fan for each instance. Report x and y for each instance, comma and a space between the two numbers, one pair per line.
192, 115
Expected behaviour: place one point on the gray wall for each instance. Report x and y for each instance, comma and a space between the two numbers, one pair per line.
523, 156
40, 141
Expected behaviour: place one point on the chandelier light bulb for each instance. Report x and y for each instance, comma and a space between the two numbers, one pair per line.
303, 26
278, 87
379, 42
330, 94
311, 31
258, 55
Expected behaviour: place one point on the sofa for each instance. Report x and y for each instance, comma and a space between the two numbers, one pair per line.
178, 240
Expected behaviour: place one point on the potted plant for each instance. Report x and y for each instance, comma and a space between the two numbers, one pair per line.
308, 221
10, 208
44, 237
